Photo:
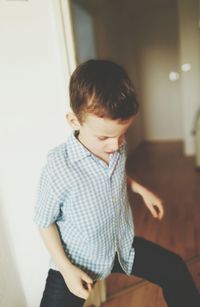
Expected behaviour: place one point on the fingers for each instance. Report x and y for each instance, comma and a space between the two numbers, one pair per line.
86, 278
87, 284
153, 210
80, 284
80, 291
161, 211
158, 211
89, 287
153, 203
83, 293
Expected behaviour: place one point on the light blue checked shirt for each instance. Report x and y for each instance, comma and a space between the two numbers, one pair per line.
87, 199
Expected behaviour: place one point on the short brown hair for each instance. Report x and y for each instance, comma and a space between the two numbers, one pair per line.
103, 88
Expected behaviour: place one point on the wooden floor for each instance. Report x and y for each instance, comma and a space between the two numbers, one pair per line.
164, 169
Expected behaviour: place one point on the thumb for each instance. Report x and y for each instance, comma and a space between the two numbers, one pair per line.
152, 210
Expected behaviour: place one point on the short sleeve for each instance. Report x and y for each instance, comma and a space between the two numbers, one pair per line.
47, 209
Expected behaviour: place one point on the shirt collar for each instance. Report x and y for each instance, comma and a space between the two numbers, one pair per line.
76, 150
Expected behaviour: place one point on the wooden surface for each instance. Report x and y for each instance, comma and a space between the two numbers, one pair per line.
129, 291
164, 169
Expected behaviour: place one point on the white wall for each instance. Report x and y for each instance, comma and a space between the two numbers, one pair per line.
189, 53
33, 104
156, 36
11, 292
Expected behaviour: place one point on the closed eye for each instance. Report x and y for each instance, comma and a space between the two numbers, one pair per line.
102, 138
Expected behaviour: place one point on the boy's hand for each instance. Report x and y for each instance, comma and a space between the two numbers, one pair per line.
153, 203
77, 281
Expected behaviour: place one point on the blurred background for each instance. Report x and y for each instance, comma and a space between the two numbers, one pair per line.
158, 43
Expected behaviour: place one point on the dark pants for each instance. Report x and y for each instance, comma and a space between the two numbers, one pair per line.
152, 263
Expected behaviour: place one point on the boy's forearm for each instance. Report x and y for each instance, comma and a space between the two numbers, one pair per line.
135, 186
53, 243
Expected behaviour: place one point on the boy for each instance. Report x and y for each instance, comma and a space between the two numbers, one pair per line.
83, 212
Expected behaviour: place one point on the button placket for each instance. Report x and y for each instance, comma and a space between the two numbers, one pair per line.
115, 215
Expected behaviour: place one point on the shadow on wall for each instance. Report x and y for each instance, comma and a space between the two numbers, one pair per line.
11, 293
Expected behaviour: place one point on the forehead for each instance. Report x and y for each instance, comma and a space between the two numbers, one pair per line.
106, 126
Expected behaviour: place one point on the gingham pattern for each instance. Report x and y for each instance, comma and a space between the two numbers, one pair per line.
87, 199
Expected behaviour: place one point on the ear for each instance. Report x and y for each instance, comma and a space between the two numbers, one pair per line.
73, 121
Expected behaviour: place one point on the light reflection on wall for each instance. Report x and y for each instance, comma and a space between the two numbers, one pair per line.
173, 76
186, 67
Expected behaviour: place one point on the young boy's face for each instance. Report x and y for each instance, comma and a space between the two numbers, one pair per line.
103, 136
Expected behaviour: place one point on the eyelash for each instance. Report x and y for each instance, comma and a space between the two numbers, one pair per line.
102, 139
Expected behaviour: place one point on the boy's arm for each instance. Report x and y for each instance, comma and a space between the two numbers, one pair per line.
153, 203
73, 276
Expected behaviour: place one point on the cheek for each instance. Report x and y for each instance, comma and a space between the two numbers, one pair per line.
97, 143
102, 144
